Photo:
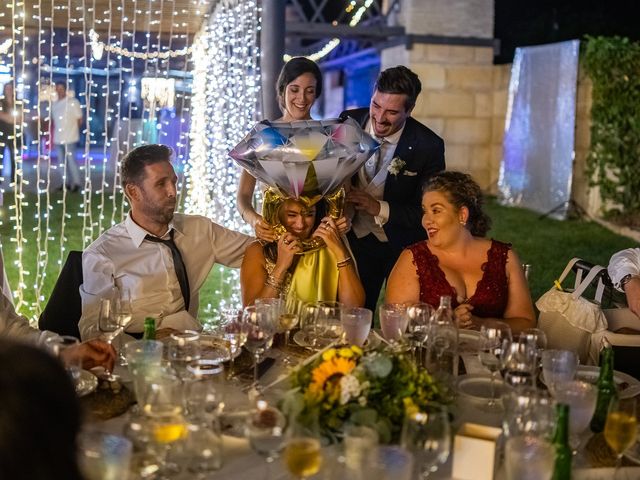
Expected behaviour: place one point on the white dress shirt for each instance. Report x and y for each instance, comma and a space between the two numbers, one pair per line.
624, 263
65, 114
363, 223
121, 257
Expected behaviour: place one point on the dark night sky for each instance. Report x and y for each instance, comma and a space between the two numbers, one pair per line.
522, 23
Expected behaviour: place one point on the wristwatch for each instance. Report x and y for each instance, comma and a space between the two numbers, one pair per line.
624, 280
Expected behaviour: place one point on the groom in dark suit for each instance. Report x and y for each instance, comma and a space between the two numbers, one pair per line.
386, 192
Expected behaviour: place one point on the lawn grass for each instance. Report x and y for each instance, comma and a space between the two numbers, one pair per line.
546, 244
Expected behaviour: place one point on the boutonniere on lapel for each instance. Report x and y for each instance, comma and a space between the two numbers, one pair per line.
396, 166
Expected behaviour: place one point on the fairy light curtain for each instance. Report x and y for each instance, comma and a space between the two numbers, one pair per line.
105, 51
226, 88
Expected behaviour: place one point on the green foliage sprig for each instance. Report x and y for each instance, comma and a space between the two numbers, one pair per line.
613, 162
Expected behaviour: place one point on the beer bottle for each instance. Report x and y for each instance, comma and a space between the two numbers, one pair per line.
149, 329
562, 465
606, 390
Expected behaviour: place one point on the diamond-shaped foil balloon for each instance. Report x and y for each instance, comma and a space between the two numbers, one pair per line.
305, 160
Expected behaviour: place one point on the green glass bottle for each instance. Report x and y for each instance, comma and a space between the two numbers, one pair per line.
149, 329
562, 465
606, 390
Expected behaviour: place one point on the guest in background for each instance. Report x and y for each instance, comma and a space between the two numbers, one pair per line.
386, 191
624, 270
277, 268
67, 119
39, 416
162, 258
484, 278
299, 85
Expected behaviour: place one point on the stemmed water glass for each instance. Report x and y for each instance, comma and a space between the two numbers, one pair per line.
581, 398
494, 337
558, 367
537, 338
73, 365
309, 313
393, 321
418, 328
356, 324
260, 331
183, 350
265, 429
428, 436
621, 427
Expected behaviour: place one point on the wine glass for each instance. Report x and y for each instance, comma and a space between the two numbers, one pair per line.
234, 330
428, 436
286, 323
356, 324
493, 334
260, 331
393, 321
109, 327
265, 430
528, 411
329, 320
538, 338
419, 317
621, 427
518, 360
122, 311
302, 453
183, 349
309, 324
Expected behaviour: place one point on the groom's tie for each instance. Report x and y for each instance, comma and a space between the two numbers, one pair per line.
178, 265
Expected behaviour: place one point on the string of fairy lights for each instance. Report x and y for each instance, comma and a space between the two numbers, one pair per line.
105, 51
226, 86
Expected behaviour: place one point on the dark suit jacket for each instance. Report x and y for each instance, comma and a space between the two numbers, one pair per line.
423, 152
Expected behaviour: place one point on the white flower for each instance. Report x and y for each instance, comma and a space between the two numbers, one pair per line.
396, 166
349, 388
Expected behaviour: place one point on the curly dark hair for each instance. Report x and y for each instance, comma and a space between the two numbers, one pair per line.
400, 80
293, 69
133, 163
462, 191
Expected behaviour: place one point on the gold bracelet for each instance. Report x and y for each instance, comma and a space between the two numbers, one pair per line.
344, 263
273, 283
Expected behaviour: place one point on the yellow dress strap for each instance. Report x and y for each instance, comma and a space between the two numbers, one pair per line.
315, 278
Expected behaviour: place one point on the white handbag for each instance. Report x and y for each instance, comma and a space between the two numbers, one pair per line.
572, 322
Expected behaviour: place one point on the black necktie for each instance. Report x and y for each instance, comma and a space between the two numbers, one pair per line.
178, 265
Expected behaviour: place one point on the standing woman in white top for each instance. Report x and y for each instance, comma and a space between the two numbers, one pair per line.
299, 85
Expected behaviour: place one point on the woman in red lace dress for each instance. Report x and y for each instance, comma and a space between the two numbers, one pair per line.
483, 277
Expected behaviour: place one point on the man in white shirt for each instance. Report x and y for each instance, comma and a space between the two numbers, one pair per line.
67, 119
624, 270
387, 191
163, 277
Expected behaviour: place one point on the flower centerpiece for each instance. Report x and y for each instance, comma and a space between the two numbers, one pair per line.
345, 386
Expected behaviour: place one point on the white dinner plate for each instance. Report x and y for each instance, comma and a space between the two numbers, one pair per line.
627, 385
301, 338
215, 348
478, 387
86, 384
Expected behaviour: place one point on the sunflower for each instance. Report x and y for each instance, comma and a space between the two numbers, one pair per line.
329, 371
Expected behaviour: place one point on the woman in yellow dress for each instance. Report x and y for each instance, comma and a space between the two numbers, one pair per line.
280, 269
